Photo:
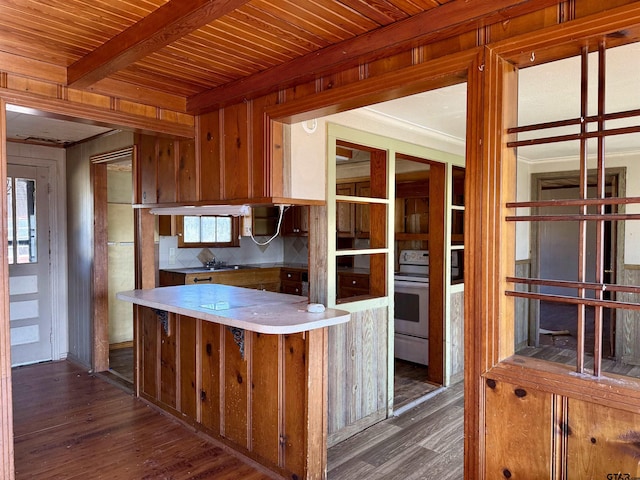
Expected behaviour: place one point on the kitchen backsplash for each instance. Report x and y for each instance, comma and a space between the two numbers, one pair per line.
279, 250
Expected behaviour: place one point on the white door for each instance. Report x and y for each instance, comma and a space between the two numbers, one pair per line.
29, 265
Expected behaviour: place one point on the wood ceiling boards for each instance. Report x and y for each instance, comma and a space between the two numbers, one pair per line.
200, 54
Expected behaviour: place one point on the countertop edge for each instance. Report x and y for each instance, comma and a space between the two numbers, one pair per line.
312, 321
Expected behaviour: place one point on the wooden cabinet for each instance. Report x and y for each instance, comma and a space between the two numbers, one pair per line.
352, 220
412, 211
296, 221
202, 373
264, 221
258, 278
363, 189
294, 281
345, 212
165, 170
352, 284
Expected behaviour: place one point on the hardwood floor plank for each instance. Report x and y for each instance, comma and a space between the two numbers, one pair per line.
426, 442
74, 426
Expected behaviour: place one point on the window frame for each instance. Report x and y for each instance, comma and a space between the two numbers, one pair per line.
235, 234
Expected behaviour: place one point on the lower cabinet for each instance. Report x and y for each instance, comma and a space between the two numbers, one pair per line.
246, 389
294, 281
258, 278
352, 284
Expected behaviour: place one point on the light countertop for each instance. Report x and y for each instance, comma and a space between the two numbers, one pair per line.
254, 310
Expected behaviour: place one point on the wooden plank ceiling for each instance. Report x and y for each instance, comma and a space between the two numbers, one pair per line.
200, 54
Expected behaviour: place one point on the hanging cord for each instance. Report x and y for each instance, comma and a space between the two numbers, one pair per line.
282, 209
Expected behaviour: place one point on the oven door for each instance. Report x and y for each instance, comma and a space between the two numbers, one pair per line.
411, 308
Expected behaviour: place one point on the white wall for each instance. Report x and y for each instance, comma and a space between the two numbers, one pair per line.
630, 161
308, 150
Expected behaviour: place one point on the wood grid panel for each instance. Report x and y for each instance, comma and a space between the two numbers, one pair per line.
357, 373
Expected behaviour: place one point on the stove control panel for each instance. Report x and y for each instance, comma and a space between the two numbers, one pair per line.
414, 257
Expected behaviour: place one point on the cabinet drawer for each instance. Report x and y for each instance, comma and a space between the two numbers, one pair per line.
290, 275
292, 288
353, 280
197, 279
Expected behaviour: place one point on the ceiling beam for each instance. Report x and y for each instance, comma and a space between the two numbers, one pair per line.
170, 22
452, 18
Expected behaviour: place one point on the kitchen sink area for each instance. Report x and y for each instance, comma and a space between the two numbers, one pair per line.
214, 268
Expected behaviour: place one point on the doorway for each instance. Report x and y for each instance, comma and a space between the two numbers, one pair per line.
419, 326
554, 324
114, 259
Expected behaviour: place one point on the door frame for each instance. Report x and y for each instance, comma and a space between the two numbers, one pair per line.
100, 277
615, 176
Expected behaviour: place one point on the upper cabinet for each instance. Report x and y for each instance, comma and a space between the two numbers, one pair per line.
296, 221
232, 159
165, 170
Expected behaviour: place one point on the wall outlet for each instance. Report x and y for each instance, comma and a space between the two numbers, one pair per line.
172, 255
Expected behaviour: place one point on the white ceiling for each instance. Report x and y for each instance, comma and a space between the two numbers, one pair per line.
546, 92
49, 131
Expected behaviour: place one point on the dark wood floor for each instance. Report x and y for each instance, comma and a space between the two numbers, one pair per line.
424, 443
72, 425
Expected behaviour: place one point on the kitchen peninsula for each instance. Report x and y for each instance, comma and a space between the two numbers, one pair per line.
247, 367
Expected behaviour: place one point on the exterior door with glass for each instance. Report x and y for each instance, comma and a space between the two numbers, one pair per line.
29, 265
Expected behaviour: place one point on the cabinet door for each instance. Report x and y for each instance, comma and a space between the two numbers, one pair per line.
363, 189
146, 169
166, 170
296, 221
187, 172
345, 212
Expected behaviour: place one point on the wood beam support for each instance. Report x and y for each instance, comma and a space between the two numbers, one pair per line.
447, 20
172, 21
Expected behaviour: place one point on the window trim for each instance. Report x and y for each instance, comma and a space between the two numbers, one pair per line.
235, 234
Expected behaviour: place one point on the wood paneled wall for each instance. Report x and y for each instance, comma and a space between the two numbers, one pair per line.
456, 341
357, 373
261, 394
80, 240
532, 433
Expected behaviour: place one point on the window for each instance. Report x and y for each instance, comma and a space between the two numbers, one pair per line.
577, 281
21, 220
208, 231
361, 222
